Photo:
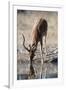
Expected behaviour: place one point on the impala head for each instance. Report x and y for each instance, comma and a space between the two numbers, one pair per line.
31, 49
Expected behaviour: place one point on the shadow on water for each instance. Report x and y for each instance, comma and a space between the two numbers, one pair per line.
54, 61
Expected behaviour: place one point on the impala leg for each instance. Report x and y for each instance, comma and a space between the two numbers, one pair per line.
45, 47
45, 71
41, 52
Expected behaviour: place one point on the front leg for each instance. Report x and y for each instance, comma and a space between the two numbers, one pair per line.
45, 47
42, 58
41, 52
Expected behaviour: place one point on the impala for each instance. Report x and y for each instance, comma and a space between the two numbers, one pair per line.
39, 31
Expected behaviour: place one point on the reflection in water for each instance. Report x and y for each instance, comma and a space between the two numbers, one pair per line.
49, 70
50, 66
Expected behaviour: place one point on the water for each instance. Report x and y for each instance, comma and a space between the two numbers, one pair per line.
50, 66
50, 70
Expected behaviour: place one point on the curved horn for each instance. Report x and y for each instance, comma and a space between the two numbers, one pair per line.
24, 43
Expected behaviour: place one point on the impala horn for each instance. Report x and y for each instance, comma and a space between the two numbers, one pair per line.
24, 43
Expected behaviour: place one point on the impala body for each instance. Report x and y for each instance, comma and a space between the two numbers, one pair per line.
38, 31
